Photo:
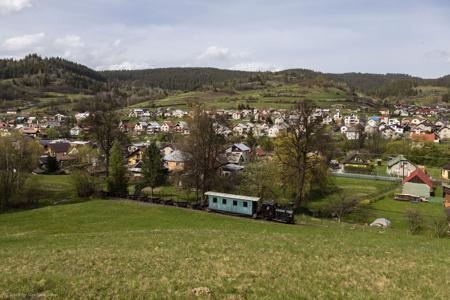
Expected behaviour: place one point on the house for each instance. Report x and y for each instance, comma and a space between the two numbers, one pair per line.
352, 133
236, 115
153, 127
352, 119
175, 161
240, 129
444, 133
240, 148
75, 131
181, 127
139, 112
230, 169
59, 149
399, 166
140, 127
447, 201
60, 117
242, 205
30, 131
389, 133
135, 157
424, 137
166, 126
178, 113
425, 126
356, 162
82, 116
275, 130
445, 173
417, 184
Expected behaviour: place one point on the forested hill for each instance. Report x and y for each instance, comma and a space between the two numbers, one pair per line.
176, 78
33, 75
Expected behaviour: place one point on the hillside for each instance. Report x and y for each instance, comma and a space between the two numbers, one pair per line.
104, 249
27, 81
58, 84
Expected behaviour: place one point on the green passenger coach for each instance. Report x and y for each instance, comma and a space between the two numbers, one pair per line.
234, 204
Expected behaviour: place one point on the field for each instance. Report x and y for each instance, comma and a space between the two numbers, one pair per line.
121, 249
280, 96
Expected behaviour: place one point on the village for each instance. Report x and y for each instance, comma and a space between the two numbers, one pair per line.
65, 136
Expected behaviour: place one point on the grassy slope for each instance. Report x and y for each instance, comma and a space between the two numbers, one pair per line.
270, 97
127, 250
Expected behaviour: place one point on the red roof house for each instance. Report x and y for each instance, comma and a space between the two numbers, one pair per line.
423, 137
419, 176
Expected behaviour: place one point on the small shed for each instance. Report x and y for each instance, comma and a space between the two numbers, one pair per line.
229, 203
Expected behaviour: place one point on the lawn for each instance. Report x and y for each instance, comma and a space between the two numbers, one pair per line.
359, 189
126, 250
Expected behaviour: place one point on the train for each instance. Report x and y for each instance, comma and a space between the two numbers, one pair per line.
230, 204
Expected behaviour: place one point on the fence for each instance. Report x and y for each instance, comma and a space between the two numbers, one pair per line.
364, 176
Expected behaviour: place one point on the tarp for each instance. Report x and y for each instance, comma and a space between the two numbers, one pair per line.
381, 222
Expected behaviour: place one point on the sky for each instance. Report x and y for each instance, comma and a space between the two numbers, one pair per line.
373, 36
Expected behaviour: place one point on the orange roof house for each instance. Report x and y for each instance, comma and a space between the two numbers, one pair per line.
423, 137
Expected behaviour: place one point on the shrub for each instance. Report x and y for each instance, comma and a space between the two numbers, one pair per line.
83, 183
415, 219
439, 227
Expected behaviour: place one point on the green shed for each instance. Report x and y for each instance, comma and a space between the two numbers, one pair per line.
235, 204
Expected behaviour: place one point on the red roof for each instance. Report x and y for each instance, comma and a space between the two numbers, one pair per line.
423, 137
419, 174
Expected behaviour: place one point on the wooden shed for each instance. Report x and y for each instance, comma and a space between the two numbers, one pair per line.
235, 204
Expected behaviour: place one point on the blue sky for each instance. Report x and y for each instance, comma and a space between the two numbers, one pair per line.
376, 36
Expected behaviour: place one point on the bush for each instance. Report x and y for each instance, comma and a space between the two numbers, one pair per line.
83, 183
439, 227
415, 219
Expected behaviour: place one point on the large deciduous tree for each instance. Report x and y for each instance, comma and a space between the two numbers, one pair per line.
18, 157
203, 149
300, 150
105, 130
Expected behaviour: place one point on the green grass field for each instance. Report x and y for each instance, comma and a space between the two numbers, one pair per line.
282, 96
126, 250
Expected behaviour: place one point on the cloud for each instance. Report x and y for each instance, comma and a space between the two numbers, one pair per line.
71, 41
125, 65
219, 53
8, 6
24, 42
255, 67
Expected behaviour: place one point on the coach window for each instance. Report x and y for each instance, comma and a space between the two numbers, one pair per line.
234, 203
214, 200
245, 204
224, 201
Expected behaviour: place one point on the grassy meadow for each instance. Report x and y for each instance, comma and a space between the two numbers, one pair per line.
126, 250
122, 249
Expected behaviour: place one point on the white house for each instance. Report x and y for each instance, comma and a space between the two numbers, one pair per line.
236, 115
444, 133
399, 166
352, 119
140, 127
75, 131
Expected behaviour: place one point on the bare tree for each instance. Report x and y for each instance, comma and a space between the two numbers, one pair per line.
299, 150
340, 204
203, 149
